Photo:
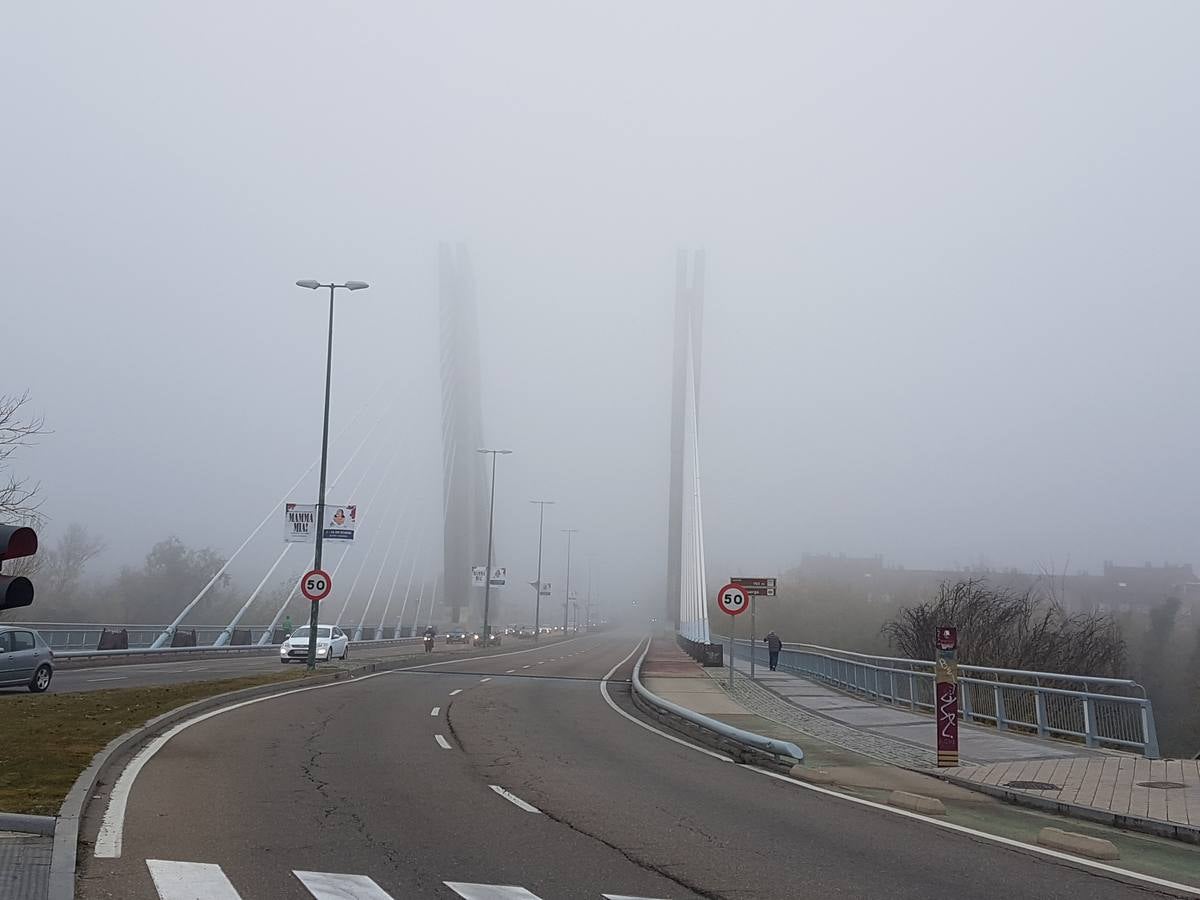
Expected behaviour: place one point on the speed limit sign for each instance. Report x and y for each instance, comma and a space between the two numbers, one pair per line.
733, 599
316, 585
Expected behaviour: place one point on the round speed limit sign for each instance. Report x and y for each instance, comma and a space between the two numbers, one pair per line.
732, 599
316, 585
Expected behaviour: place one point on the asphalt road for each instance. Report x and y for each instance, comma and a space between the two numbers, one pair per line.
198, 668
397, 778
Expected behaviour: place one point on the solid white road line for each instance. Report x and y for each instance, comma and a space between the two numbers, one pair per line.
328, 886
623, 897
639, 722
514, 799
442, 742
456, 691
109, 678
433, 712
489, 891
484, 680
190, 881
983, 835
108, 841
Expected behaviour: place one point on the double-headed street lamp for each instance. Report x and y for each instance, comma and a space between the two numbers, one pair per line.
537, 609
314, 612
567, 600
487, 574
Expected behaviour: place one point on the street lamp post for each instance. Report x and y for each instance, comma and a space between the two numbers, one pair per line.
314, 611
487, 574
567, 599
537, 607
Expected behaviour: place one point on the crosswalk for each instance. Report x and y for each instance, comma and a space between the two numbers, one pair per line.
175, 880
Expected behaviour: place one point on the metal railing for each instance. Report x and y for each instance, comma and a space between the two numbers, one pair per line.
770, 746
1100, 712
81, 637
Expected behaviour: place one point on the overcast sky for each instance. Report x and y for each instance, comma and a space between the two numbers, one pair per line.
951, 307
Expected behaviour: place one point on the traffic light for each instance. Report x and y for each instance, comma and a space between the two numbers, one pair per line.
16, 541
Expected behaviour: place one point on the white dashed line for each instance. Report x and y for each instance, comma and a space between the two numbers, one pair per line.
514, 799
510, 671
442, 742
527, 667
433, 712
458, 691
109, 678
483, 680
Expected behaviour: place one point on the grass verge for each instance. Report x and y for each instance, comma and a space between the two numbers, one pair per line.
50, 738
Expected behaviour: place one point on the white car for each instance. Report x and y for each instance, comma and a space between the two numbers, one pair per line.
332, 643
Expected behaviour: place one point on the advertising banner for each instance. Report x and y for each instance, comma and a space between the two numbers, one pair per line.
300, 522
340, 523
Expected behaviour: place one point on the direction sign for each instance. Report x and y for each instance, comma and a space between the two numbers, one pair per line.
733, 599
756, 587
316, 585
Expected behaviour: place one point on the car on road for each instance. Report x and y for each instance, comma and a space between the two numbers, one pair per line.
526, 633
457, 636
493, 638
25, 659
332, 643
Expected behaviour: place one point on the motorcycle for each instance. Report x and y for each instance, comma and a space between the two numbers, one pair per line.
429, 643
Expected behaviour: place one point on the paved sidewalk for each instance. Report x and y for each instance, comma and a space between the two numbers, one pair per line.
892, 733
24, 866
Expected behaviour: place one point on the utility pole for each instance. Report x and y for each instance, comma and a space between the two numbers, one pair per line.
487, 574
537, 608
567, 599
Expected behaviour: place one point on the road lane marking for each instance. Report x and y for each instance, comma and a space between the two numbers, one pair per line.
542, 663
624, 897
328, 886
489, 891
456, 691
530, 666
482, 680
609, 700
514, 799
509, 671
190, 881
983, 835
109, 839
109, 678
433, 712
442, 742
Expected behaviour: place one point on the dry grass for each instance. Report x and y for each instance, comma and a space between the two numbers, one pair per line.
48, 739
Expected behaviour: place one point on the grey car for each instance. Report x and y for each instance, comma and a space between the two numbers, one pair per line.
25, 659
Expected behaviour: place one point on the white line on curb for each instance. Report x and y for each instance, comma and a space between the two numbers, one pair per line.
514, 799
442, 742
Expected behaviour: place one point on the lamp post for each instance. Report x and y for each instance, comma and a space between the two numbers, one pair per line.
567, 600
487, 574
314, 611
537, 608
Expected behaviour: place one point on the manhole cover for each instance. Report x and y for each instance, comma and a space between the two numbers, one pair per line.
1033, 785
1160, 784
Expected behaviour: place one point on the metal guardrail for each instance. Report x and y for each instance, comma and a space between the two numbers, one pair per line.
241, 650
757, 742
69, 637
1099, 711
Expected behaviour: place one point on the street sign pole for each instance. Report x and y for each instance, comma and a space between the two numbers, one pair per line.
732, 648
732, 600
753, 636
753, 588
946, 695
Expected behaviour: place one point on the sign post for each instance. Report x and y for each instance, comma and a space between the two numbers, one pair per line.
733, 600
754, 587
946, 695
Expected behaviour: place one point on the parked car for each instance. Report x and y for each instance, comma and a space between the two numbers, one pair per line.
25, 659
457, 636
332, 643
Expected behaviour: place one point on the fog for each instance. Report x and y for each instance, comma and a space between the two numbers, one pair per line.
950, 310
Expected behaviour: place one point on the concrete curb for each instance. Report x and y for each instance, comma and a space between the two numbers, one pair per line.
1188, 834
63, 857
1079, 844
27, 824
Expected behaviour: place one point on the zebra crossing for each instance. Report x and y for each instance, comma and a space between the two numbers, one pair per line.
175, 880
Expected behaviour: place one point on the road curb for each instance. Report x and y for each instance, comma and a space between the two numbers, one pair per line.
1188, 834
64, 856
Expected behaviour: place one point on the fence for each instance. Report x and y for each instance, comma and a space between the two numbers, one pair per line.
1109, 712
71, 637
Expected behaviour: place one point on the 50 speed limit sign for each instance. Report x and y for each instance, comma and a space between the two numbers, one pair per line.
733, 599
316, 585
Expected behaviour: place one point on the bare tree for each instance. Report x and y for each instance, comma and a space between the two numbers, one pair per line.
1005, 629
18, 498
63, 566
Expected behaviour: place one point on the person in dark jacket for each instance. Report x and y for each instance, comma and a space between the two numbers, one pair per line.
773, 646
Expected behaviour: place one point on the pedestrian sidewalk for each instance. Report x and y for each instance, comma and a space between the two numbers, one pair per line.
24, 865
893, 733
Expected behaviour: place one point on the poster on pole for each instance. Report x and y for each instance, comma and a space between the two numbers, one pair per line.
340, 523
499, 576
299, 523
545, 589
478, 575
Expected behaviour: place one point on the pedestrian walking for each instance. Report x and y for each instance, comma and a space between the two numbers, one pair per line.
774, 644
